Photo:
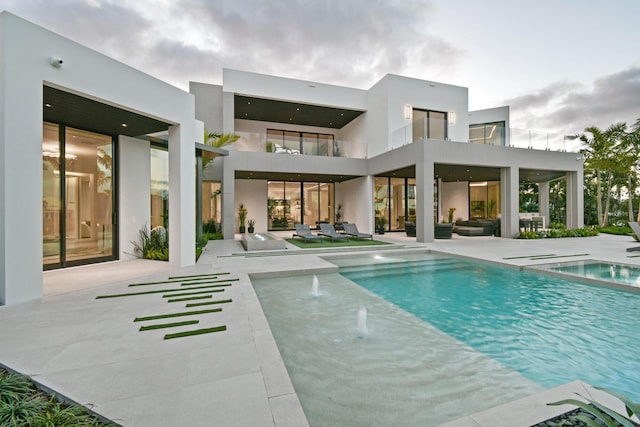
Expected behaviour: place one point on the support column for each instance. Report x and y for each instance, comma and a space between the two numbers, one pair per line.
228, 200
182, 185
21, 204
543, 200
425, 228
510, 199
575, 199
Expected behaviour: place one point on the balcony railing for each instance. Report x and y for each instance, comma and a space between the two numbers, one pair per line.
258, 142
519, 138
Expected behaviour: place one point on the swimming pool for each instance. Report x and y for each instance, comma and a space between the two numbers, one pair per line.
447, 338
552, 330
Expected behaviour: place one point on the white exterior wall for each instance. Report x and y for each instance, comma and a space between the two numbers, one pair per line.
303, 91
425, 95
208, 104
454, 195
134, 166
253, 194
378, 133
356, 197
26, 67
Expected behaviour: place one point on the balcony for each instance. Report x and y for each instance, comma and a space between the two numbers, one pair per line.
493, 135
259, 142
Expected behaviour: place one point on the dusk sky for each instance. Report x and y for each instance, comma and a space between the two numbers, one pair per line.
561, 65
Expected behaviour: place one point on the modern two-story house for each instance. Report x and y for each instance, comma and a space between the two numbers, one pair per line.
403, 150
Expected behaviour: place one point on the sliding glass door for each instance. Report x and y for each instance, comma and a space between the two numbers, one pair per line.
77, 197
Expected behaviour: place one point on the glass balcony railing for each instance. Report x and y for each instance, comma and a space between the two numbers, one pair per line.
519, 138
258, 142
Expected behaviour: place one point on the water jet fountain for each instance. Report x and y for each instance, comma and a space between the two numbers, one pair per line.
361, 328
315, 290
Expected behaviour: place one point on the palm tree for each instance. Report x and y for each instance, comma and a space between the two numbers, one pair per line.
630, 161
599, 151
217, 140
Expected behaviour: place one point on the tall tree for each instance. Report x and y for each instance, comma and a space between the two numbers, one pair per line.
600, 156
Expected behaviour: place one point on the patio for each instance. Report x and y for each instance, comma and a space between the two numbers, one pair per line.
92, 352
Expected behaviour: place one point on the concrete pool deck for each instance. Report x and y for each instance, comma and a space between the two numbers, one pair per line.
91, 351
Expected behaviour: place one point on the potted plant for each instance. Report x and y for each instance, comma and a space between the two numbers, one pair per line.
242, 216
451, 211
339, 214
381, 224
252, 225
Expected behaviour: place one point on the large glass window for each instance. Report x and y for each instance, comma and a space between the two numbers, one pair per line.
80, 206
159, 187
291, 142
289, 203
395, 200
211, 202
484, 200
487, 133
429, 125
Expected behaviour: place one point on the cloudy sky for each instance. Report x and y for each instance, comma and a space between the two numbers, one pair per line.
562, 65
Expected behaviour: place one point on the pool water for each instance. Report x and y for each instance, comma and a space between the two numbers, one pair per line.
620, 273
549, 329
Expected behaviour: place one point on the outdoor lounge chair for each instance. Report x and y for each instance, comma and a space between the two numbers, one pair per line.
327, 230
635, 227
352, 231
304, 232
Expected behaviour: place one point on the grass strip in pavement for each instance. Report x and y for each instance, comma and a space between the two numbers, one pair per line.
199, 304
208, 281
168, 281
180, 314
168, 325
198, 275
155, 291
190, 298
556, 256
526, 256
186, 294
195, 332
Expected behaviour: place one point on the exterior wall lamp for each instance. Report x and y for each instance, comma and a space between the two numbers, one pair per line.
408, 112
452, 117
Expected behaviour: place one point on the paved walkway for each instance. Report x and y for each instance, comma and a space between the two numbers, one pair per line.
91, 350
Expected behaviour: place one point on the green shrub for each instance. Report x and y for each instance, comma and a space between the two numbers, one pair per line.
615, 229
555, 233
601, 414
154, 244
557, 225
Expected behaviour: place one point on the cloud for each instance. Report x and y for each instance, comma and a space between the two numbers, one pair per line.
351, 43
568, 108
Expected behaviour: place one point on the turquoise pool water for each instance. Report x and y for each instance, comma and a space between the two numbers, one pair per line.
619, 273
549, 329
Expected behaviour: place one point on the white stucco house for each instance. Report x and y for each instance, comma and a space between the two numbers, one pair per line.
91, 151
407, 150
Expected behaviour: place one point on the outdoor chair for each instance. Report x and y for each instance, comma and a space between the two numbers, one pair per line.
635, 227
352, 231
304, 232
327, 230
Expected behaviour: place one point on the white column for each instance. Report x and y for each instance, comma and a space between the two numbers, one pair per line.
510, 189
134, 194
543, 200
228, 200
182, 195
425, 228
575, 199
20, 191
